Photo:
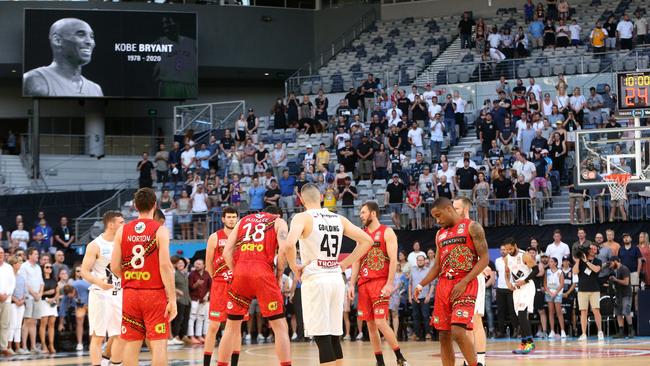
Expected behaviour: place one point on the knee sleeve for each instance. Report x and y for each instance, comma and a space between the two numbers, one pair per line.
336, 344
325, 349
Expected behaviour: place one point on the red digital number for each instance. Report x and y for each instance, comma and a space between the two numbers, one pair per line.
630, 95
636, 97
642, 93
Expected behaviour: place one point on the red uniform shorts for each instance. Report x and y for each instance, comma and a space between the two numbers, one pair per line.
371, 304
459, 311
218, 301
254, 280
143, 315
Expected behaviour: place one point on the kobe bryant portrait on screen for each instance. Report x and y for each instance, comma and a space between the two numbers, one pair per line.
72, 42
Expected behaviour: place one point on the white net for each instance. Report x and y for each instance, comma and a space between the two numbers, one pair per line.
617, 184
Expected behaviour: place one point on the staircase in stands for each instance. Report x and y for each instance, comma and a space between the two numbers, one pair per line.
450, 56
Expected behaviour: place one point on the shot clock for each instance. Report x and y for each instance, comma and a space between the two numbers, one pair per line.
633, 90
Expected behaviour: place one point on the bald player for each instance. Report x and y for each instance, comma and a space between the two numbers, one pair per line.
462, 205
72, 42
323, 291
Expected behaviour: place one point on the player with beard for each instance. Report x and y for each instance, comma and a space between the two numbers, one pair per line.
105, 295
461, 256
72, 42
221, 278
521, 271
462, 206
375, 274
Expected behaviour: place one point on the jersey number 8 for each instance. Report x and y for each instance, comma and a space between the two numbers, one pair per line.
137, 261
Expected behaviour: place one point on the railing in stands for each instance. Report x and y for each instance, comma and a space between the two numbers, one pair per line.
63, 144
207, 116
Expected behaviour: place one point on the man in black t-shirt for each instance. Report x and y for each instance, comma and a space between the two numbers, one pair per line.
365, 154
394, 199
520, 89
145, 168
347, 194
353, 101
587, 268
466, 179
465, 29
347, 156
272, 194
611, 123
488, 133
620, 279
502, 188
369, 87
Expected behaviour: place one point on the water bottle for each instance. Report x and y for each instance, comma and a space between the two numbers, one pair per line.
642, 286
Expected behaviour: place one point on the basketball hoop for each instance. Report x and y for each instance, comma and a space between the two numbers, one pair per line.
617, 184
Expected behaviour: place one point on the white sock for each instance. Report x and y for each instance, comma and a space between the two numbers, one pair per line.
480, 357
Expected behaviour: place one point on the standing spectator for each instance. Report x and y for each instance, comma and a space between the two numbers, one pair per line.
63, 237
578, 102
594, 104
183, 217
43, 235
465, 29
365, 153
187, 160
256, 195
611, 32
292, 110
252, 124
347, 156
415, 137
622, 281
553, 288
640, 30
145, 167
420, 305
261, 158
524, 195
449, 110
322, 157
17, 305
413, 202
644, 248
611, 243
583, 244
278, 159
437, 136
587, 268
200, 211
460, 113
551, 9
7, 287
240, 130
380, 162
549, 34
59, 263
562, 34
540, 183
394, 198
504, 301
480, 195
625, 32
575, 30
502, 188
11, 143
322, 103
48, 310
599, 38
287, 188
465, 179
183, 302
272, 195
347, 195
31, 271
529, 11
199, 282
630, 256
309, 160
487, 134
203, 158
558, 249
368, 89
414, 254
175, 163
248, 162
536, 30
162, 164
279, 111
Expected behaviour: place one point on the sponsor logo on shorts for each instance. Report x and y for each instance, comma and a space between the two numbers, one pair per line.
252, 247
465, 314
436, 319
136, 275
273, 306
215, 314
160, 328
229, 305
140, 227
380, 311
123, 330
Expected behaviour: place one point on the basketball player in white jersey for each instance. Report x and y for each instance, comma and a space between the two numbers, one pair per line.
321, 236
72, 42
105, 296
462, 205
521, 268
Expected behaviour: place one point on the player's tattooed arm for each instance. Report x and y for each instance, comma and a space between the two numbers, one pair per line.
480, 244
281, 227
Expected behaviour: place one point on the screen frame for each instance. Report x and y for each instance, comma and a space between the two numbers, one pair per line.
620, 77
196, 26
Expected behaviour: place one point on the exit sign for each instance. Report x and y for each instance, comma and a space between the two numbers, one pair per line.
152, 112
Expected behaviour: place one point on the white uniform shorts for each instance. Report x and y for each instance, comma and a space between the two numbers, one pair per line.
104, 313
479, 308
524, 298
322, 304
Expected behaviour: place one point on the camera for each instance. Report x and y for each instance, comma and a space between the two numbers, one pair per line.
581, 252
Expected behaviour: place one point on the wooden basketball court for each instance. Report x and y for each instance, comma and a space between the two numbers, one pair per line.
628, 352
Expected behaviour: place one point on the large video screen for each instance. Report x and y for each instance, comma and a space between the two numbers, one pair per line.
106, 53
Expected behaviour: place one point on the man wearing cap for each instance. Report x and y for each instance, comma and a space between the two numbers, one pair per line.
394, 199
309, 161
631, 257
621, 280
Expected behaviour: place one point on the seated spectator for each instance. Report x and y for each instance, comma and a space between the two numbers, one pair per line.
521, 43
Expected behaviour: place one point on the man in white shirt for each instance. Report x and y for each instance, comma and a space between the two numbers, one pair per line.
624, 33
188, 158
413, 93
341, 138
437, 136
461, 162
535, 89
428, 94
641, 28
448, 172
394, 117
31, 271
7, 286
494, 38
574, 30
200, 210
524, 167
413, 256
460, 113
520, 125
558, 249
415, 139
434, 107
504, 298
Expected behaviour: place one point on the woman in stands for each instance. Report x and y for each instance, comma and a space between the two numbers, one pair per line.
644, 247
305, 115
182, 213
533, 104
557, 152
48, 309
479, 35
539, 11
571, 125
292, 110
481, 194
380, 163
240, 130
553, 288
279, 111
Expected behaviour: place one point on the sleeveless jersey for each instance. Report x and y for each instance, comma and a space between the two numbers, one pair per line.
221, 271
374, 264
519, 270
568, 279
257, 239
61, 86
322, 247
457, 253
180, 64
101, 268
140, 264
552, 279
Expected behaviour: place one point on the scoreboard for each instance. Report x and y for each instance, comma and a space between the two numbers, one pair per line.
634, 93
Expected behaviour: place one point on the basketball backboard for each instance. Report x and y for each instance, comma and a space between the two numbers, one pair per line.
601, 152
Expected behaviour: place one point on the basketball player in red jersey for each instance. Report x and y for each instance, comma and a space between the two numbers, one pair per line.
375, 273
221, 278
141, 259
461, 256
249, 253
